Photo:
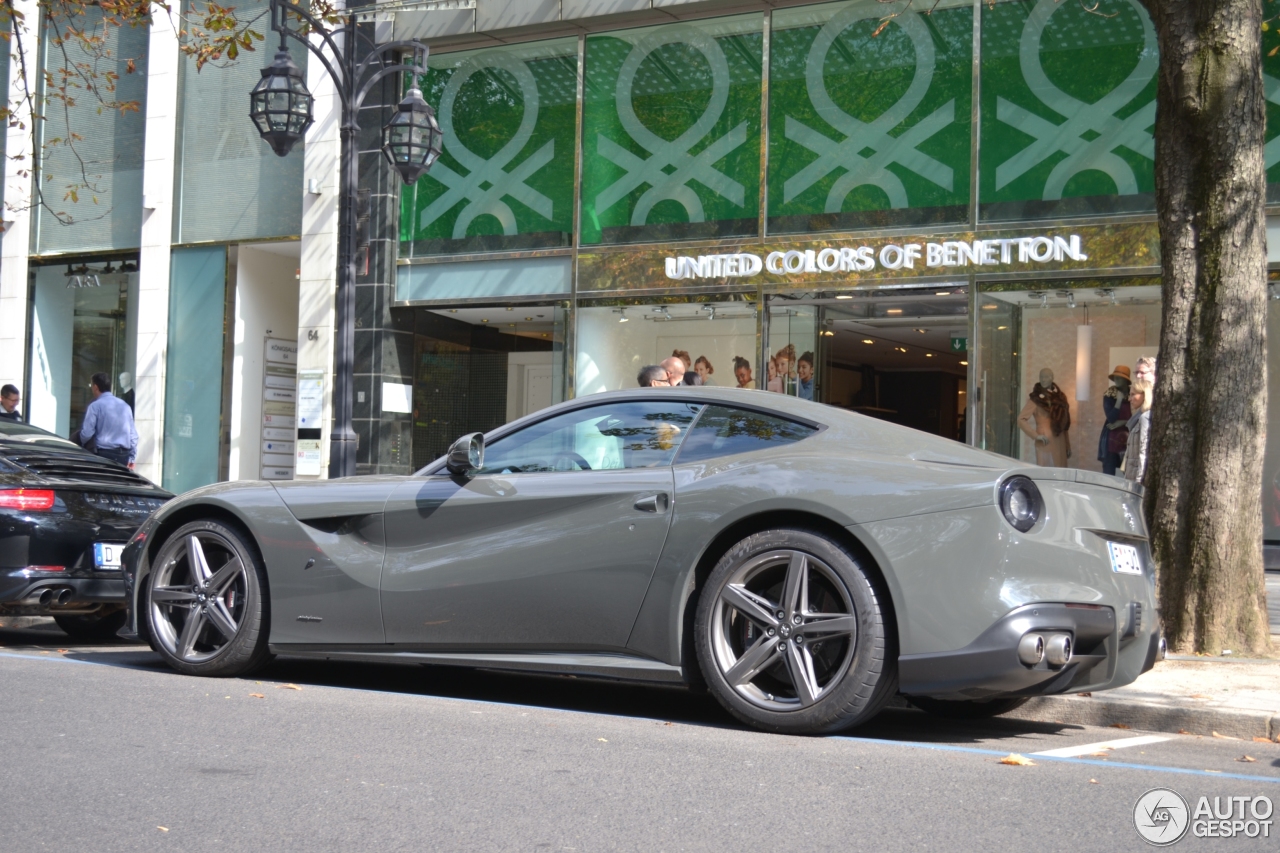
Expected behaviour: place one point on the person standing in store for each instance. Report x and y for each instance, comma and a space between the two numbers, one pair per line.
804, 376
653, 376
704, 369
109, 422
1115, 408
9, 400
1139, 429
742, 372
1145, 369
676, 370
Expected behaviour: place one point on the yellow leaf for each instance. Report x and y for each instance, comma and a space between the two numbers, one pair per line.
1248, 759
257, 696
1016, 760
1262, 740
287, 687
163, 828
1093, 781
1224, 737
602, 740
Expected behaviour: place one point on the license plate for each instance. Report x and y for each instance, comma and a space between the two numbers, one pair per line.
106, 555
1125, 559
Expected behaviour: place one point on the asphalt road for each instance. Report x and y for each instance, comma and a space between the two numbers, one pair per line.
108, 750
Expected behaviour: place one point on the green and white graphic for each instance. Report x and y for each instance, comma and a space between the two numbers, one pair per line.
507, 165
868, 114
671, 132
1073, 92
685, 167
859, 136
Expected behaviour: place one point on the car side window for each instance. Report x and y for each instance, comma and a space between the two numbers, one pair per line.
606, 437
724, 431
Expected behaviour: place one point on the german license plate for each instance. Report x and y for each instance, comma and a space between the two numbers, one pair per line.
1125, 559
106, 555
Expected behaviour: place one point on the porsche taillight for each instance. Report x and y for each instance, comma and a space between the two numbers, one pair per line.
26, 499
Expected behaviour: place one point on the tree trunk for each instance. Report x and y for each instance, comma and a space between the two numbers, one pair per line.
1204, 474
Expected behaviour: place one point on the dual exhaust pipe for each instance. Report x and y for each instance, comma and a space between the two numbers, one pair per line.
1034, 647
51, 597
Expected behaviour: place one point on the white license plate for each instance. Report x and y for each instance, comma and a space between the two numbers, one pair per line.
106, 555
1125, 559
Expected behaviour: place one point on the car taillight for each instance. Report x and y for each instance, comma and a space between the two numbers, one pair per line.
26, 499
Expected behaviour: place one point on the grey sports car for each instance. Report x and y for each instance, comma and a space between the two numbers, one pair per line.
802, 563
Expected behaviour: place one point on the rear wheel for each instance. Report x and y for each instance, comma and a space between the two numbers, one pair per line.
206, 601
91, 626
791, 635
967, 709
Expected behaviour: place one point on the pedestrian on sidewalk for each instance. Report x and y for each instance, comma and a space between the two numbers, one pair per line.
9, 399
109, 422
1139, 426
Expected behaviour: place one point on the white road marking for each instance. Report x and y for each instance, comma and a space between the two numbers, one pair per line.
1073, 751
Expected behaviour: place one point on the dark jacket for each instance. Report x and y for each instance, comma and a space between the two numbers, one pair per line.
1114, 440
15, 415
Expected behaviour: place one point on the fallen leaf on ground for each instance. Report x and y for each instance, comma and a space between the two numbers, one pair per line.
602, 740
1093, 781
1198, 696
1102, 754
1224, 737
1183, 732
287, 687
1248, 759
1016, 760
1262, 740
258, 695
163, 828
63, 651
1085, 694
668, 724
1120, 726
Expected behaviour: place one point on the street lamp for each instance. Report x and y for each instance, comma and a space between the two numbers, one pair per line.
281, 109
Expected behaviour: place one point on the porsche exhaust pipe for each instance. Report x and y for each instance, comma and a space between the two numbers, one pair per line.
64, 596
1031, 649
1058, 649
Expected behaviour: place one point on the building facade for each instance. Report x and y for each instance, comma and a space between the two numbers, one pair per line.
911, 212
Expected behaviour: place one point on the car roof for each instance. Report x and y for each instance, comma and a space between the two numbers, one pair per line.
28, 434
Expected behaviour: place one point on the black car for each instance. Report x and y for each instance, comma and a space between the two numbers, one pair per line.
65, 516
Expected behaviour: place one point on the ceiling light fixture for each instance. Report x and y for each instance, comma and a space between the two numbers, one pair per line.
868, 341
624, 318
928, 355
921, 331
844, 296
893, 311
964, 363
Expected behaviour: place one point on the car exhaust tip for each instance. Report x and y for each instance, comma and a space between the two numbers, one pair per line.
64, 596
1031, 649
1058, 649
46, 597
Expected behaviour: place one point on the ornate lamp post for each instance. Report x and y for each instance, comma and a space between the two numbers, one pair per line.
281, 108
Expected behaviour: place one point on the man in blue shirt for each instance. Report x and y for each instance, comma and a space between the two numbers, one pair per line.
109, 421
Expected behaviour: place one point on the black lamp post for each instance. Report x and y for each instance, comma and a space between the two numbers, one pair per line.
281, 108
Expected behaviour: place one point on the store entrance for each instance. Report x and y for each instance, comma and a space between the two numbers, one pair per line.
899, 355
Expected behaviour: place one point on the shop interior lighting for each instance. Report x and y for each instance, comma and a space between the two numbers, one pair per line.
621, 319
827, 333
711, 311
1070, 296
943, 293
1272, 290
928, 355
921, 331
844, 296
964, 364
893, 311
1001, 328
1044, 300
868, 341
527, 319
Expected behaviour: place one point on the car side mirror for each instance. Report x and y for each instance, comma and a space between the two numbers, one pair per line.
466, 456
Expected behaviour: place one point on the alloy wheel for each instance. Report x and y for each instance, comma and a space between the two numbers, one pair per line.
783, 630
197, 609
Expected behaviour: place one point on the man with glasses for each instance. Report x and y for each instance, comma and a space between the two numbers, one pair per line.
9, 400
109, 422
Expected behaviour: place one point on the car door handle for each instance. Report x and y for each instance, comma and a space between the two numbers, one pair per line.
653, 503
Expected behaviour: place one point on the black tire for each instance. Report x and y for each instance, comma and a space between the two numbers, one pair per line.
967, 709
229, 636
846, 678
91, 627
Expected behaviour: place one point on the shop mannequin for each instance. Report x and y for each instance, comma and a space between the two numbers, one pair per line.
1046, 418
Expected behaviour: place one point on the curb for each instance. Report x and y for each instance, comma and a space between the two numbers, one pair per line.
1089, 711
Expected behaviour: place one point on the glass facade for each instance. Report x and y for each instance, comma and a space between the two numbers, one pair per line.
193, 416
505, 178
869, 118
91, 172
671, 132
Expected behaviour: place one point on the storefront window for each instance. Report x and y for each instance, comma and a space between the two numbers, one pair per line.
1068, 109
869, 116
476, 369
1057, 361
716, 340
84, 322
671, 132
897, 354
505, 178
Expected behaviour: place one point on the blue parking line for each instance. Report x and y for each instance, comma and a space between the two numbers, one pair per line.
910, 744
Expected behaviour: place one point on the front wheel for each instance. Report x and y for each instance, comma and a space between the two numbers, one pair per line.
206, 601
791, 634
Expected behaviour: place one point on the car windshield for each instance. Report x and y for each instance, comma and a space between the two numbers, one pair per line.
15, 431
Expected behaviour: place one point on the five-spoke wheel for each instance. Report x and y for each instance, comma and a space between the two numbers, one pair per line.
790, 635
206, 608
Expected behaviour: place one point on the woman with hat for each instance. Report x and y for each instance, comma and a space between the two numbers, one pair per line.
1115, 432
